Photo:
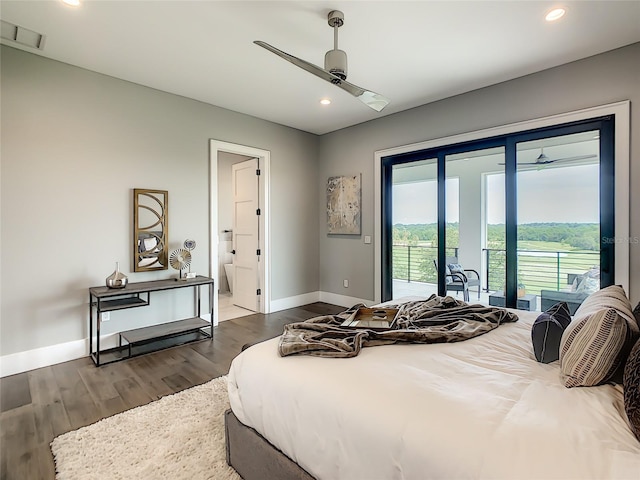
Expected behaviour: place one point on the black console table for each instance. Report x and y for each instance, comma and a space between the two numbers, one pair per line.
147, 339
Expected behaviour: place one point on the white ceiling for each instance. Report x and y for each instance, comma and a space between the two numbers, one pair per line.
412, 52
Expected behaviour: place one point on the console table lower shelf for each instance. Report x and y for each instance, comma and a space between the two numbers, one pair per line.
156, 337
143, 340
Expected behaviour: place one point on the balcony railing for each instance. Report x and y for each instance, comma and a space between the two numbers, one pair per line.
414, 263
537, 269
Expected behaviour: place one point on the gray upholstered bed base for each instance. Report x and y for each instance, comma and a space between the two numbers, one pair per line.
254, 458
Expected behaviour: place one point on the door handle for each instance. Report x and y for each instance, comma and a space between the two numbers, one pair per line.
233, 252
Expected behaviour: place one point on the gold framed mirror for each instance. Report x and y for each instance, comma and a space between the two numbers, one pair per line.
150, 231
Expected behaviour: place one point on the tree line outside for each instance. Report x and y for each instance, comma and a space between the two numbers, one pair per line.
547, 252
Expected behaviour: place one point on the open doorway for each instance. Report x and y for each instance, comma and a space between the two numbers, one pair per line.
239, 230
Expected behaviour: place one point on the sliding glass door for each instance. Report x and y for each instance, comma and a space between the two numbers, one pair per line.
558, 198
414, 227
528, 217
466, 226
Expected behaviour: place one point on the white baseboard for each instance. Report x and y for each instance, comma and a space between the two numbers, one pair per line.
42, 357
312, 297
64, 352
342, 300
296, 301
50, 355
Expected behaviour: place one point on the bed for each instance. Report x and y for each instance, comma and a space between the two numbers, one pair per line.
480, 408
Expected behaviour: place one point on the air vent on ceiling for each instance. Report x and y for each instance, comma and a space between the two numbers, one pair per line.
22, 36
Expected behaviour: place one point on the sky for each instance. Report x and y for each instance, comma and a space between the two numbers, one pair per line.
548, 195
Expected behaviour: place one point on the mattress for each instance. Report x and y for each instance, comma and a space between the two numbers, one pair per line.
481, 408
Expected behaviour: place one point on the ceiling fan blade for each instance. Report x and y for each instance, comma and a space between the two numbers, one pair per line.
572, 159
309, 67
566, 159
531, 163
371, 99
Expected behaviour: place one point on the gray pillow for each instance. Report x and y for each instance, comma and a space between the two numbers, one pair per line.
547, 331
455, 268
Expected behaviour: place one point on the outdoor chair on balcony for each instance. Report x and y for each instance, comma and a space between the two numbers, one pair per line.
459, 279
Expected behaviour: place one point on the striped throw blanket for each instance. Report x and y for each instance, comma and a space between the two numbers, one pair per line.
435, 320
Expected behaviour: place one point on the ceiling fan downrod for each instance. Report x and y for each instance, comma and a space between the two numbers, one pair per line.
335, 61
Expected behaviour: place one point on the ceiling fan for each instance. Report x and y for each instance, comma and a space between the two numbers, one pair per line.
335, 66
543, 159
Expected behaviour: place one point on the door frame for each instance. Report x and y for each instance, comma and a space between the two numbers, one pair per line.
620, 110
264, 267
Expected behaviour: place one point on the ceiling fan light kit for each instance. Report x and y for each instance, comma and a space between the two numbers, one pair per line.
335, 66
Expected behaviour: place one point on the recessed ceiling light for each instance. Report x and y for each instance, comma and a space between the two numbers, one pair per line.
555, 14
325, 101
72, 3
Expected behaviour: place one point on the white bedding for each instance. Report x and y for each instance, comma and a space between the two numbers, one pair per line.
482, 408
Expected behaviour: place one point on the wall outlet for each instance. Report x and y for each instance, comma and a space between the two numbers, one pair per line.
106, 316
345, 283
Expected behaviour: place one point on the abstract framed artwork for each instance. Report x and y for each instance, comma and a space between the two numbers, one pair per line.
343, 205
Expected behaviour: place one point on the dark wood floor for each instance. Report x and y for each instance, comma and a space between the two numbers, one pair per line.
39, 405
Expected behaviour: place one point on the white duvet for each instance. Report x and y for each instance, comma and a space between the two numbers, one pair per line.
482, 408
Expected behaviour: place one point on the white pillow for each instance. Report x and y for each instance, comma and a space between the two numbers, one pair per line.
614, 297
592, 348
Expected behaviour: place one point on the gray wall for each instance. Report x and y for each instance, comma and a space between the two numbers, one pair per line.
74, 144
599, 80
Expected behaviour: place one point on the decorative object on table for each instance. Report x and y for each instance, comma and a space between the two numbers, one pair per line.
343, 205
150, 229
180, 259
190, 245
117, 279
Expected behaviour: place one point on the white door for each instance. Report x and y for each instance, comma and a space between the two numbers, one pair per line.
246, 241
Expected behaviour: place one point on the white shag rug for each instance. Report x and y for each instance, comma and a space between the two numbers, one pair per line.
179, 436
